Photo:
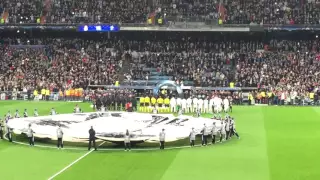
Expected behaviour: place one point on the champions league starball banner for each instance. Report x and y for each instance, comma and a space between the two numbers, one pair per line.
111, 126
168, 83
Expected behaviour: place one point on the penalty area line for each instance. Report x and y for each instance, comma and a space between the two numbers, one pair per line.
71, 164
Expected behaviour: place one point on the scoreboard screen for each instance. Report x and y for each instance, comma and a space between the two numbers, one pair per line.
99, 28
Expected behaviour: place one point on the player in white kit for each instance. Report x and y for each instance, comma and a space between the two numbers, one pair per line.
184, 105
189, 105
222, 132
218, 104
214, 132
226, 105
179, 101
211, 105
200, 104
173, 104
194, 104
206, 105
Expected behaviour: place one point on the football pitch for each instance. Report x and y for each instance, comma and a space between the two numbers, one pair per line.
277, 143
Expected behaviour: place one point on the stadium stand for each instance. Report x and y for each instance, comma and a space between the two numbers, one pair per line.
139, 11
62, 62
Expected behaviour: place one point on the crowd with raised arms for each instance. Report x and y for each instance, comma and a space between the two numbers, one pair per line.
139, 11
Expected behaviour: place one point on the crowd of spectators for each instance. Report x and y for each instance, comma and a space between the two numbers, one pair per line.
64, 63
137, 11
57, 63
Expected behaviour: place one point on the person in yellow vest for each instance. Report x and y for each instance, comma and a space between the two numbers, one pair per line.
80, 93
60, 94
167, 104
231, 84
147, 104
263, 97
141, 104
43, 94
153, 101
220, 21
311, 96
160, 103
250, 97
2, 21
67, 94
160, 21
35, 94
38, 20
47, 94
117, 83
149, 21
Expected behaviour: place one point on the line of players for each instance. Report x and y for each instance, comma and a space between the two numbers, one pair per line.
225, 131
8, 116
214, 104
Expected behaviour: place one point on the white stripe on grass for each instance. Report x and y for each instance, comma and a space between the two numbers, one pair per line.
71, 164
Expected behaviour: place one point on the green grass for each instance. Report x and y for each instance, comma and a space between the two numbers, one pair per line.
277, 143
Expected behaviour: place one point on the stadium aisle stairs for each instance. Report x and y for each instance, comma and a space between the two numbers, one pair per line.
125, 68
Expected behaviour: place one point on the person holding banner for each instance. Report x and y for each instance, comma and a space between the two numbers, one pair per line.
25, 113
59, 137
30, 135
35, 113
162, 137
92, 139
127, 144
192, 137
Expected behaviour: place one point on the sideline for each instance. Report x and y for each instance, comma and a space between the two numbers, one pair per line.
115, 149
77, 160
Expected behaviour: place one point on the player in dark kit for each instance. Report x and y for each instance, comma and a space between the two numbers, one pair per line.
92, 139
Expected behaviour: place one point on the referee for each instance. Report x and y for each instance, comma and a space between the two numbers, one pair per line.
162, 137
92, 139
59, 136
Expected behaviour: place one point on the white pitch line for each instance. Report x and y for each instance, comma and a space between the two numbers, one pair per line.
77, 160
